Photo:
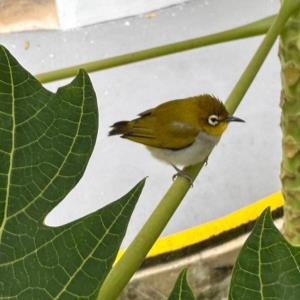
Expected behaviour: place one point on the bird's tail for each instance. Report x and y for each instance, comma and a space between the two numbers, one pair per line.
119, 128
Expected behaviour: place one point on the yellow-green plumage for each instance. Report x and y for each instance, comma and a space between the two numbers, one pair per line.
173, 125
178, 127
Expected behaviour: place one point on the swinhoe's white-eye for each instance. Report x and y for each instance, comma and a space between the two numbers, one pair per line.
180, 132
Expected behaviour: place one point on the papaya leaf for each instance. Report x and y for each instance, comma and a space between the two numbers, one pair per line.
181, 290
268, 267
46, 141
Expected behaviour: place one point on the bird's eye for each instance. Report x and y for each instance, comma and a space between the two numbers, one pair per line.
213, 120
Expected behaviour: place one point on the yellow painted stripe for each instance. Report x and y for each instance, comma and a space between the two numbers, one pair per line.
205, 231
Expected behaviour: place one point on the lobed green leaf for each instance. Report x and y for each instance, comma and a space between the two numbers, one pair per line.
46, 141
268, 267
181, 290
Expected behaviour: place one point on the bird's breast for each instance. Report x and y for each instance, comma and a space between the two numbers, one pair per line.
191, 155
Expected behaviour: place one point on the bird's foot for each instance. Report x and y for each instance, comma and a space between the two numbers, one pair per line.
182, 174
206, 161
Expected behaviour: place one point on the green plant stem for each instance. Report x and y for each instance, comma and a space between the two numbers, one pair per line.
138, 249
241, 87
251, 29
290, 110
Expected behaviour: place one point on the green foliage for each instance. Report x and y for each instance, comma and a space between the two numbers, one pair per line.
268, 267
46, 141
181, 290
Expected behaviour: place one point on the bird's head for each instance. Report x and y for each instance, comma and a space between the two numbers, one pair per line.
213, 116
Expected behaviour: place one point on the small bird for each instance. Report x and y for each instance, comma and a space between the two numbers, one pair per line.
180, 132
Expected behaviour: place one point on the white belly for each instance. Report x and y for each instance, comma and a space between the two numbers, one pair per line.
191, 155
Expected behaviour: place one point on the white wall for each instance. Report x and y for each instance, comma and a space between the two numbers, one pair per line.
78, 13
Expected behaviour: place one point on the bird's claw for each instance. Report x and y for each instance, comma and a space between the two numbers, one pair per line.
184, 175
206, 161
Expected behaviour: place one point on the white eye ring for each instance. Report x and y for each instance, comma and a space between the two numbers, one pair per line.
213, 120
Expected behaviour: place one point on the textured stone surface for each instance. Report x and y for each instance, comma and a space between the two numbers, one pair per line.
21, 15
207, 284
209, 273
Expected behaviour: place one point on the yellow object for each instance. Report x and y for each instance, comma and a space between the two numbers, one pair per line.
216, 227
180, 132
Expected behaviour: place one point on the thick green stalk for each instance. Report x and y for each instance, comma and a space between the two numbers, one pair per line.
251, 29
289, 51
138, 249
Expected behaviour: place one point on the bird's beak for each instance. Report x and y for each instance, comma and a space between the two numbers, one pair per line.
234, 119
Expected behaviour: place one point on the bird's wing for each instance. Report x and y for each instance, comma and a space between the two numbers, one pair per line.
165, 133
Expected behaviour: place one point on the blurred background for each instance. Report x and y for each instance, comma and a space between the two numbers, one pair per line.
44, 35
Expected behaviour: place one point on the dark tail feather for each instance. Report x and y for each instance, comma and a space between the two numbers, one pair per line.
119, 128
